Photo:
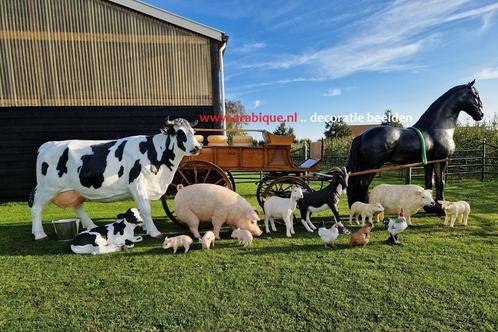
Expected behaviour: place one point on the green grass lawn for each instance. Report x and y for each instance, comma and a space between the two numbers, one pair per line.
439, 279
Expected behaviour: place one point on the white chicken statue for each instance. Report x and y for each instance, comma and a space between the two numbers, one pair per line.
329, 235
395, 227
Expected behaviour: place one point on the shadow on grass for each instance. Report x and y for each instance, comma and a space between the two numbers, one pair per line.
17, 240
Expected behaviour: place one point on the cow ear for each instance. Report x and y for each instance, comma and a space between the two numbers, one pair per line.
121, 216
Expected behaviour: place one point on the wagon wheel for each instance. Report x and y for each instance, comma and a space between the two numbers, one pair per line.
280, 187
230, 176
191, 172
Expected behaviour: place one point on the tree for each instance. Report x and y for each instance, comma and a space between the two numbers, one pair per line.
337, 128
391, 119
284, 130
235, 111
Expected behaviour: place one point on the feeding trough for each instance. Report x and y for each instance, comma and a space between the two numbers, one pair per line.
66, 229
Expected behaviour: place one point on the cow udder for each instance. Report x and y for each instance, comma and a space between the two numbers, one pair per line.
68, 199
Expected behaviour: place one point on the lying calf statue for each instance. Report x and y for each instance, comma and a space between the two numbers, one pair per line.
109, 238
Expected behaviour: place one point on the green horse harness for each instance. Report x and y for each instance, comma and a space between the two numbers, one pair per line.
423, 149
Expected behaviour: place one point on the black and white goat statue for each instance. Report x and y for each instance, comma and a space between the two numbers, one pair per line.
326, 198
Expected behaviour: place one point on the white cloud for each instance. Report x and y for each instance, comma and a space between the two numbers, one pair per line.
385, 41
333, 92
257, 103
488, 74
278, 82
487, 22
246, 48
473, 12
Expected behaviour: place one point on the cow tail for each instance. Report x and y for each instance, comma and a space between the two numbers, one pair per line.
31, 198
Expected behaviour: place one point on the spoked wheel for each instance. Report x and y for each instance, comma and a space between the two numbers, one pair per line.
192, 172
230, 176
280, 187
262, 185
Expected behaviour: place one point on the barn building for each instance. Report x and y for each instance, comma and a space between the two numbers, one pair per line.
97, 69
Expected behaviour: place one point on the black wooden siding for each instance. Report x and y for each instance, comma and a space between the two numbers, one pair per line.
24, 129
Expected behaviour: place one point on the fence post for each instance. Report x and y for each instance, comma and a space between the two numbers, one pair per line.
483, 165
322, 149
408, 175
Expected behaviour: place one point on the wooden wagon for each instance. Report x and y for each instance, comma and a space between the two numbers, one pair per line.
215, 164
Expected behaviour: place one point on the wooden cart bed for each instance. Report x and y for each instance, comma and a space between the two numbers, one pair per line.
269, 158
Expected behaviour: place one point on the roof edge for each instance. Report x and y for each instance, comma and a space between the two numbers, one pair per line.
166, 16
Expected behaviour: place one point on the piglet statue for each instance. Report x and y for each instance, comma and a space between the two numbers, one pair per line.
203, 203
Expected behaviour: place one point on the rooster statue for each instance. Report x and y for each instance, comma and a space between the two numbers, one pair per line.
395, 227
329, 235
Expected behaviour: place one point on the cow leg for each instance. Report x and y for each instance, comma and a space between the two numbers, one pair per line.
144, 207
107, 249
84, 218
40, 200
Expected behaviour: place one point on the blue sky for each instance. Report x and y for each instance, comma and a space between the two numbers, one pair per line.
341, 57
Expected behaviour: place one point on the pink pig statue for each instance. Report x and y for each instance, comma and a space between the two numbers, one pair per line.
205, 202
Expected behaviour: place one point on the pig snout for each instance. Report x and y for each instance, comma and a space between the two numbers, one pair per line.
253, 228
256, 231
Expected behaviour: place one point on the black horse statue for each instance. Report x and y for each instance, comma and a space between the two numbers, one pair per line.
383, 144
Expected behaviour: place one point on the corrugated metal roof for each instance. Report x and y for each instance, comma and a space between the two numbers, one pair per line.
166, 16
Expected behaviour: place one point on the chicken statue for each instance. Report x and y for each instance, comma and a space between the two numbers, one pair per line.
329, 235
395, 227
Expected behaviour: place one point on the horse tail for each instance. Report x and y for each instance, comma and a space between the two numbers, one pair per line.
354, 189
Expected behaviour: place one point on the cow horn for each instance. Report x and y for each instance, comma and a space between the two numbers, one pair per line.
193, 124
169, 123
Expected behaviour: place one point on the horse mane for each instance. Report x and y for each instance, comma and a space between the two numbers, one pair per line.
438, 102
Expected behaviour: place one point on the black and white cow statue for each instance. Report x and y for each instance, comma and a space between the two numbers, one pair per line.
109, 238
138, 167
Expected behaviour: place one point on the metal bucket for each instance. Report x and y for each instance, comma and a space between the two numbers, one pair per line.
66, 229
